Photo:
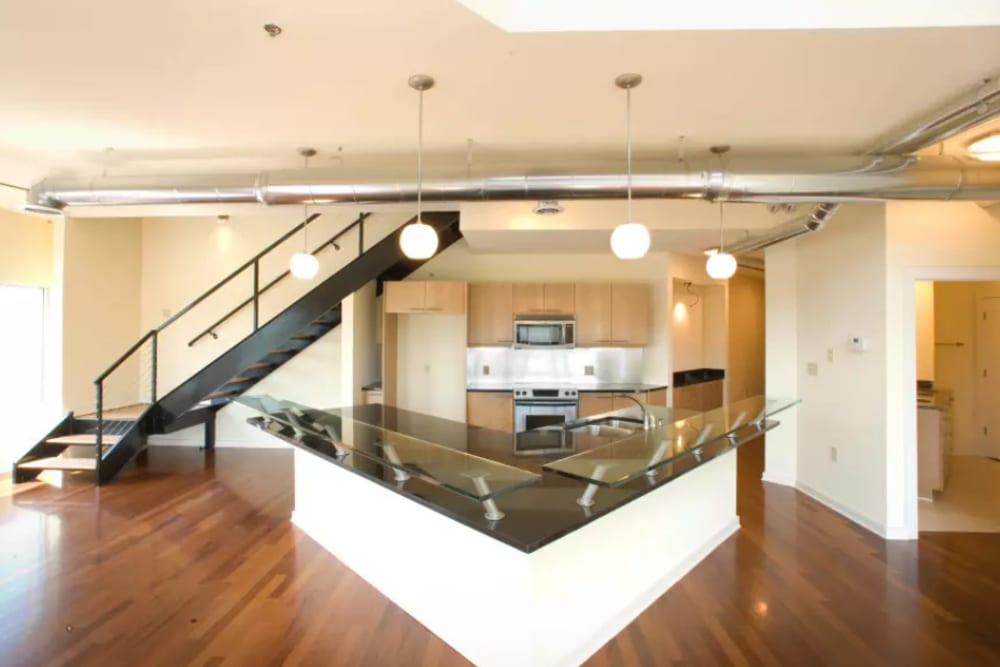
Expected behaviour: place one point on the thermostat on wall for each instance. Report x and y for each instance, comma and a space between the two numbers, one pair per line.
857, 344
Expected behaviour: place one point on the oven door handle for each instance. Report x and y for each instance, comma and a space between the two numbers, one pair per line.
545, 404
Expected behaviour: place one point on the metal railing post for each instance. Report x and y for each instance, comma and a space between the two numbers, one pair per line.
100, 429
256, 292
361, 236
152, 380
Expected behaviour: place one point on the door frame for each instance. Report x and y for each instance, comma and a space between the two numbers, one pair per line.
906, 407
984, 442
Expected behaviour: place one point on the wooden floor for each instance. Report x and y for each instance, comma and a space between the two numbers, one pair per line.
178, 564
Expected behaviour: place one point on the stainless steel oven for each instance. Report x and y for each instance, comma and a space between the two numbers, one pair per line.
544, 331
539, 407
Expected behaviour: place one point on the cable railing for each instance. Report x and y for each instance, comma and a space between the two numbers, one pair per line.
148, 374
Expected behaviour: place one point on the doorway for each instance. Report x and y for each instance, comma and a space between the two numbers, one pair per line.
958, 405
22, 368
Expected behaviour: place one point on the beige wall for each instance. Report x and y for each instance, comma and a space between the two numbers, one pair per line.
698, 332
101, 289
925, 330
26, 249
955, 367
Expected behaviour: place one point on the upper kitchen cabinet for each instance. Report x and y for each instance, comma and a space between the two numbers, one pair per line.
612, 315
425, 296
544, 298
491, 313
630, 305
593, 314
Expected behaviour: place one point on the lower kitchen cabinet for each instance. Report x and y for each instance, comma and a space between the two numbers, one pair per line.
490, 409
595, 403
702, 396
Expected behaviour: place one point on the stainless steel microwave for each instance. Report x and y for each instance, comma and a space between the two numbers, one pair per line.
544, 332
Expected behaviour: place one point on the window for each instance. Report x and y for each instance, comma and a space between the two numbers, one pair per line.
22, 368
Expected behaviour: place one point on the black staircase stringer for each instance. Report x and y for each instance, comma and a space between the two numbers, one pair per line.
370, 265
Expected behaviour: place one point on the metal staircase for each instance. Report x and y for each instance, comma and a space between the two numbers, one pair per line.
105, 441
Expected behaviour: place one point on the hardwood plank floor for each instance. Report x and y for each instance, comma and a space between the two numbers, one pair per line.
176, 563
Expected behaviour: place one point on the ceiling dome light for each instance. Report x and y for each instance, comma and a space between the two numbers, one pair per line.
721, 266
630, 240
418, 240
986, 148
303, 265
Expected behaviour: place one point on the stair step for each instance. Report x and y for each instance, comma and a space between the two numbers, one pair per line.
59, 463
222, 394
124, 413
305, 337
263, 364
84, 439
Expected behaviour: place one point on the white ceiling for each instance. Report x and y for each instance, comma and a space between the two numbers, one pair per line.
179, 86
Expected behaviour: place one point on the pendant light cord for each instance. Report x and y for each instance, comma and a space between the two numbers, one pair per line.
420, 155
722, 176
305, 213
628, 148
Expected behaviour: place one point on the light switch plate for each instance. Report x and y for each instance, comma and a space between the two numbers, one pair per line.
588, 370
812, 368
486, 369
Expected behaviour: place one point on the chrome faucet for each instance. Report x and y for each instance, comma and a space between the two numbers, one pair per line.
648, 419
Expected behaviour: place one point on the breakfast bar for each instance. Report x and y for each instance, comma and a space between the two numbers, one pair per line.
517, 558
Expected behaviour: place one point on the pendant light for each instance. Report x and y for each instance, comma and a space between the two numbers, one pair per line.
419, 240
720, 265
304, 265
629, 240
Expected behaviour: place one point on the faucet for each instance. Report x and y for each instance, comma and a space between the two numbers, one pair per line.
648, 419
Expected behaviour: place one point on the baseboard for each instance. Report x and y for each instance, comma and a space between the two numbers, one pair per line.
865, 522
779, 478
628, 614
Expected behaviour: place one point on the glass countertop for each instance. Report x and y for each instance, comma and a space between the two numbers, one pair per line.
643, 452
472, 476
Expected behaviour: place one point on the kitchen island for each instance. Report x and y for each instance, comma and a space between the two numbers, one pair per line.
516, 559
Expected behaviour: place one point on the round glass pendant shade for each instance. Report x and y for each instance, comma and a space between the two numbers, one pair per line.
418, 240
303, 265
721, 265
630, 240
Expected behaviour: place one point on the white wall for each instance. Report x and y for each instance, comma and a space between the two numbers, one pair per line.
925, 330
838, 277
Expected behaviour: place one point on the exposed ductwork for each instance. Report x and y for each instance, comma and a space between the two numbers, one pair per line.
811, 223
825, 179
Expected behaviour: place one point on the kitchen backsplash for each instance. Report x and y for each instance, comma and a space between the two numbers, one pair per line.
510, 365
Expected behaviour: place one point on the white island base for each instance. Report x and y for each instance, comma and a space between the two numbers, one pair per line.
499, 606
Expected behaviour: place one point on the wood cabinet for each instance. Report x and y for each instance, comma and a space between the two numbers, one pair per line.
491, 314
372, 396
700, 397
544, 298
425, 296
490, 409
612, 314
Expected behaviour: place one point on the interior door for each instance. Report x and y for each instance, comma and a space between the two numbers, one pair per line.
988, 373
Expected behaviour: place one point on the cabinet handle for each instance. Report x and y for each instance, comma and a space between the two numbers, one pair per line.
432, 309
505, 340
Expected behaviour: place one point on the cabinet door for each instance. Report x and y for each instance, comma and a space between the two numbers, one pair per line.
591, 404
404, 296
657, 397
711, 396
593, 314
630, 314
688, 398
488, 409
529, 298
560, 298
621, 402
445, 296
491, 313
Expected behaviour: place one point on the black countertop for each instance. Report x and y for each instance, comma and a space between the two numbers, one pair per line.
535, 515
697, 376
624, 387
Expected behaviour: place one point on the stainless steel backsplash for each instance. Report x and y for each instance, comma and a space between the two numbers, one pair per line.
509, 365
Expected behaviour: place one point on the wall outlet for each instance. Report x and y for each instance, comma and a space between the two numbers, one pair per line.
829, 355
833, 454
812, 368
588, 370
486, 369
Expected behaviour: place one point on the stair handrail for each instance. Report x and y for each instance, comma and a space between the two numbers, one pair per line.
153, 334
210, 330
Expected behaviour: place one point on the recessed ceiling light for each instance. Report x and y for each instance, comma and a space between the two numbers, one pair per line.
986, 147
547, 207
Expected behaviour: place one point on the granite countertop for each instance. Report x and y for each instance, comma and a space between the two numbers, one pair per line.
625, 387
536, 514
